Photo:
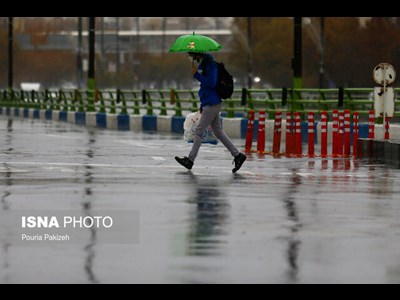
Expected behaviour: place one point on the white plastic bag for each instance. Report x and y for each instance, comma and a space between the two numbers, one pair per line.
189, 127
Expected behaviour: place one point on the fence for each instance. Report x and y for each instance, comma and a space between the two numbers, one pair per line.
179, 102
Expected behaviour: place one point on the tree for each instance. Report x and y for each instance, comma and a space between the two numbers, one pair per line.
343, 51
3, 57
380, 43
351, 51
272, 49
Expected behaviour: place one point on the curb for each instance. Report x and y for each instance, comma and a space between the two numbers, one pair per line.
234, 127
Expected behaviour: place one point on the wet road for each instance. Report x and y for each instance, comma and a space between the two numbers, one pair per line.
278, 220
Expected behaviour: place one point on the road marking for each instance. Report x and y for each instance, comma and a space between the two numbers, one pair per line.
158, 158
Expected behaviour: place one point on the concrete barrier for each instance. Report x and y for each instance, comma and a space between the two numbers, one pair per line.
177, 124
91, 119
379, 151
101, 120
123, 122
135, 123
149, 123
111, 121
232, 127
164, 123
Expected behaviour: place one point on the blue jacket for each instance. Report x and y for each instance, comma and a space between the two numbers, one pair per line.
207, 75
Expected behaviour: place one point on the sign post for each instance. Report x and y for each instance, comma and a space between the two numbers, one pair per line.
384, 74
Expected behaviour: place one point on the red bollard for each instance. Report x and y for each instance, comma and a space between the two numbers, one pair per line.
346, 151
340, 134
276, 147
311, 134
387, 119
324, 134
335, 132
289, 135
261, 133
298, 146
250, 128
371, 125
356, 119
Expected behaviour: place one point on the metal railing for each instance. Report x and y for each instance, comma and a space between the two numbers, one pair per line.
178, 102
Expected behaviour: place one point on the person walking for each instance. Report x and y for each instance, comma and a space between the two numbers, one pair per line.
205, 70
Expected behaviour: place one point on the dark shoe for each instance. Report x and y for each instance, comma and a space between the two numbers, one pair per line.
238, 161
184, 161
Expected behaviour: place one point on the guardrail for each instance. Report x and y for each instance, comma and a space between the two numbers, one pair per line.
177, 102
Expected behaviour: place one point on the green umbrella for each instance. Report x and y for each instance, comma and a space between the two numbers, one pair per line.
194, 43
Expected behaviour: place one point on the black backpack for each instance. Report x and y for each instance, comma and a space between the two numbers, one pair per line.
225, 82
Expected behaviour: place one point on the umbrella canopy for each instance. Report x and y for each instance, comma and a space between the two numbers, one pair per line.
194, 43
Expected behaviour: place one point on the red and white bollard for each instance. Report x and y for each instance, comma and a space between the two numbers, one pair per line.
298, 146
335, 132
324, 134
261, 133
289, 135
250, 128
340, 134
346, 150
387, 119
276, 144
371, 125
311, 134
356, 120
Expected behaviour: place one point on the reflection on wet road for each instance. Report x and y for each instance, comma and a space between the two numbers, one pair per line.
289, 201
87, 205
277, 220
208, 219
